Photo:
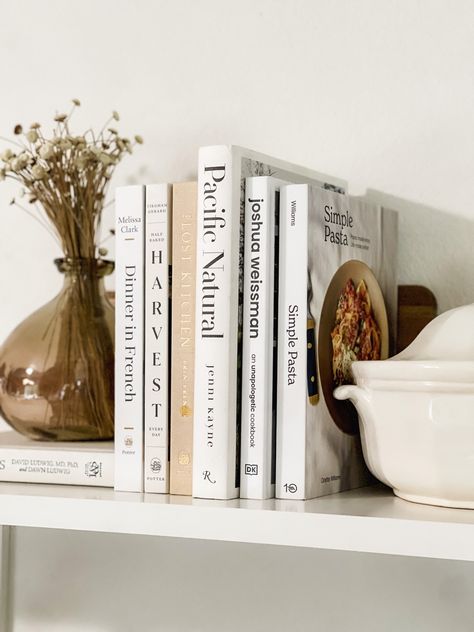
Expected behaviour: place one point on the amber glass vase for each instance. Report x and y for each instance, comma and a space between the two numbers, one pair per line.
57, 366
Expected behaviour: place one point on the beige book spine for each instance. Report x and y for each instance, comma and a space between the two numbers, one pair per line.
183, 337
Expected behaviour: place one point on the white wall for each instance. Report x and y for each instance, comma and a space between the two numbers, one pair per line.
379, 92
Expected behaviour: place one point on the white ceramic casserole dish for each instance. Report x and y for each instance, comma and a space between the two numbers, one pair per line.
417, 427
417, 415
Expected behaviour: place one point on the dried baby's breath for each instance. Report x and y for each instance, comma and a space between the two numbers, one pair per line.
105, 159
32, 136
46, 151
68, 175
38, 172
6, 155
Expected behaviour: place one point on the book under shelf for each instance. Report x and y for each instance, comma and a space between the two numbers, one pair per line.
366, 520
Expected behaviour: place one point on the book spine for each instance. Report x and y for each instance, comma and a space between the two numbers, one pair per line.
129, 337
292, 343
59, 467
182, 332
157, 330
216, 457
257, 474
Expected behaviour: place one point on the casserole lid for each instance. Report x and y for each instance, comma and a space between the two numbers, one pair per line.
450, 336
415, 371
442, 352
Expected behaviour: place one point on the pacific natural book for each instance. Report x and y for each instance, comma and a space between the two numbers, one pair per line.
129, 337
158, 247
219, 269
183, 333
63, 463
337, 304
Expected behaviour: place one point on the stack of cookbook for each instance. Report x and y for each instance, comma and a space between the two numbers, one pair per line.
241, 300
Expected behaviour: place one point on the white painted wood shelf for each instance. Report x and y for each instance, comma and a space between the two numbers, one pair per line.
368, 520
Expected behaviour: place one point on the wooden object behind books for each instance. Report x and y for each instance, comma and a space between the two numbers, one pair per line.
416, 307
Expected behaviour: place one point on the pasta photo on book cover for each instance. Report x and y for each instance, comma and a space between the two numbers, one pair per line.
353, 326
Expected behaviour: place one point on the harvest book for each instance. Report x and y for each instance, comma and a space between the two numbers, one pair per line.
158, 203
337, 304
129, 337
219, 268
23, 460
182, 342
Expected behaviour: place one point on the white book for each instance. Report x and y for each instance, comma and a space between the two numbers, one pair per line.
129, 337
291, 404
23, 460
258, 421
335, 251
219, 269
157, 336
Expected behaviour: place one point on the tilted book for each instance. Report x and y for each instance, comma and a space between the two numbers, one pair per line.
259, 338
63, 463
219, 267
182, 337
337, 303
129, 336
158, 201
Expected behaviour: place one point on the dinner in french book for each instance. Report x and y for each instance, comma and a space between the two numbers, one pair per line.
219, 275
129, 337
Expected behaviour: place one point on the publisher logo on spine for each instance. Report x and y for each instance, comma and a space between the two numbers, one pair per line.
155, 465
251, 469
184, 458
207, 476
93, 469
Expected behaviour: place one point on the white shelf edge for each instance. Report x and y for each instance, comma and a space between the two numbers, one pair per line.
326, 523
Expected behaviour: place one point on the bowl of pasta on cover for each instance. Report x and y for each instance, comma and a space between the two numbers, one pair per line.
354, 326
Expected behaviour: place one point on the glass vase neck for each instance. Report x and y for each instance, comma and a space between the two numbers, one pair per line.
83, 266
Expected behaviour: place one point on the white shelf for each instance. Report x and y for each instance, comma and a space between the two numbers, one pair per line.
369, 520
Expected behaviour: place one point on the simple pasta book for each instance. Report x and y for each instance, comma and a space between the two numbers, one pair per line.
337, 304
